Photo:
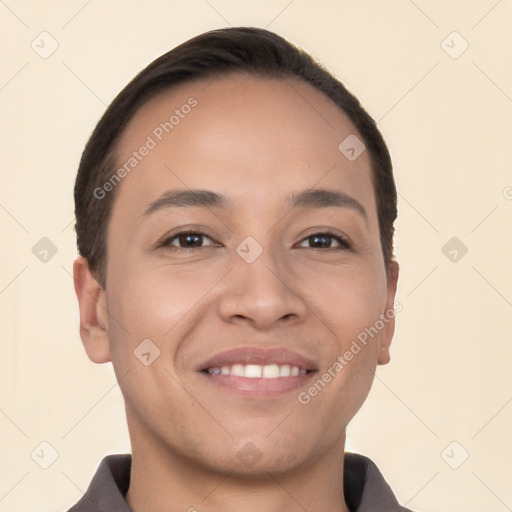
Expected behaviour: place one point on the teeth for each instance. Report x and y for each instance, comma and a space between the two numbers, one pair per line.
284, 370
238, 370
256, 371
253, 371
271, 371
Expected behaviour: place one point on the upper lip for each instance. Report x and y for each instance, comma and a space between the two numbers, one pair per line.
259, 356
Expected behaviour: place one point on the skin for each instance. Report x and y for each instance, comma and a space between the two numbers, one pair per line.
256, 141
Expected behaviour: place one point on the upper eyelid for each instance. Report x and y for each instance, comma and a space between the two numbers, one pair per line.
185, 230
342, 239
170, 238
332, 232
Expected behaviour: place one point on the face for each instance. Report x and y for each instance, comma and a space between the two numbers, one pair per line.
244, 248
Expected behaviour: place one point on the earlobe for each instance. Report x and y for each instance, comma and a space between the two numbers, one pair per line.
384, 356
93, 312
389, 327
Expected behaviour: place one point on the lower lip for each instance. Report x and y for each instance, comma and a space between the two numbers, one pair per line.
259, 388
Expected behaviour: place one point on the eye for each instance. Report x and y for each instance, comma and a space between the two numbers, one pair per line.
188, 240
325, 241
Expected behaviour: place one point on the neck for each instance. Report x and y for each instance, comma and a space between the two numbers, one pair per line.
163, 480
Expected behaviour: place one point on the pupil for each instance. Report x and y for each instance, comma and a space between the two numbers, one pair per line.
321, 241
191, 240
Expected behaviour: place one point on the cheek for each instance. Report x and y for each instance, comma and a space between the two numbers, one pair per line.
151, 301
161, 305
346, 298
148, 318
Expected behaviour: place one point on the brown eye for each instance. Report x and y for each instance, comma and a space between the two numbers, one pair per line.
188, 240
325, 241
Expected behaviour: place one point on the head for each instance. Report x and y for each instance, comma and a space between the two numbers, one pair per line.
257, 52
218, 210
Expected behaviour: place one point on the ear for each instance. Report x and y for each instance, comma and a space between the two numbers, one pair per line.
389, 326
93, 312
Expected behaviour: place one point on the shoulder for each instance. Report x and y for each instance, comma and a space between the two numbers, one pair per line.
365, 488
108, 486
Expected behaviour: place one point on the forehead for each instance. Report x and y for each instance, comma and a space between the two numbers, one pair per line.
241, 135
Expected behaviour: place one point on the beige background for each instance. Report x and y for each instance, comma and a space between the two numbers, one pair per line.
448, 123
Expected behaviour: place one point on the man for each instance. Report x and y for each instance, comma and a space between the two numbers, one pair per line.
234, 216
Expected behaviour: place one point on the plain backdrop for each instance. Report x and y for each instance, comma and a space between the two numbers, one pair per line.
435, 74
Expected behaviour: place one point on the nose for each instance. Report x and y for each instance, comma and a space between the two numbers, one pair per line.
262, 294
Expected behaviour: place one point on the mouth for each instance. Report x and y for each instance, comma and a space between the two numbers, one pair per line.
258, 373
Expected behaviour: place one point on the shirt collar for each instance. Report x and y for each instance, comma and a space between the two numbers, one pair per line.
364, 486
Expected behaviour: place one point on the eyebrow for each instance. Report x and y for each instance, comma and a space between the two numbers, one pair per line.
322, 198
309, 198
184, 198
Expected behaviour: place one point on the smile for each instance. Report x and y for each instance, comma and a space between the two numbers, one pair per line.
256, 371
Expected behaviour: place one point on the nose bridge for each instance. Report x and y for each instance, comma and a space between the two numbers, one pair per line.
264, 276
263, 273
259, 289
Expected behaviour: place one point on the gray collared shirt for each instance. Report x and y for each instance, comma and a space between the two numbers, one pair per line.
364, 487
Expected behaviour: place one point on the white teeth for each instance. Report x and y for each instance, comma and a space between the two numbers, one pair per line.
271, 371
256, 371
284, 370
253, 371
238, 370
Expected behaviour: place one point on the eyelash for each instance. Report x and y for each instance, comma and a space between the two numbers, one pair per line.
344, 242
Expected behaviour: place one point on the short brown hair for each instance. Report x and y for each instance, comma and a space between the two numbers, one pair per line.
243, 49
